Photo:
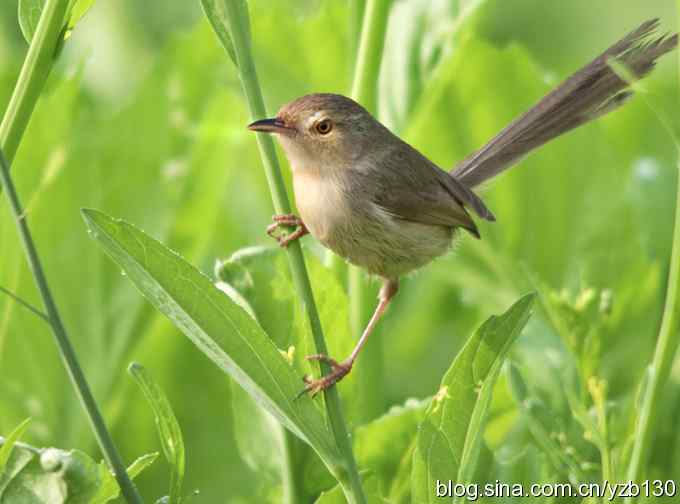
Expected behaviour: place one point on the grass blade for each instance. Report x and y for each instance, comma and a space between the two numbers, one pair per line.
8, 443
168, 428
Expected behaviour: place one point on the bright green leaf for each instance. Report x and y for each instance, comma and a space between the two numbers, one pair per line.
109, 488
450, 436
386, 443
215, 11
30, 10
7, 444
78, 9
216, 325
168, 428
371, 490
18, 460
29, 15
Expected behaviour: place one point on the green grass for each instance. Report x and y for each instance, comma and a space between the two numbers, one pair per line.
586, 222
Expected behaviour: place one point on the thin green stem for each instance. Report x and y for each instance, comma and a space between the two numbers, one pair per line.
24, 303
659, 371
346, 470
34, 72
365, 85
23, 446
365, 91
291, 477
66, 350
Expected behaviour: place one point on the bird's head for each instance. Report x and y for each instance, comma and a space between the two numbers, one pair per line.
322, 131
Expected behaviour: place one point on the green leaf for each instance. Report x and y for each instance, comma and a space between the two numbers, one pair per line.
450, 436
260, 275
8, 443
420, 34
109, 488
216, 325
78, 9
371, 489
215, 11
55, 477
30, 10
168, 428
387, 442
18, 460
29, 15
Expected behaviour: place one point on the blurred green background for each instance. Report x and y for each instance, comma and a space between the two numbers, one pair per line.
144, 119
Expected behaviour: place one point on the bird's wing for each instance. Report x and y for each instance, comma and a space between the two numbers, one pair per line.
410, 187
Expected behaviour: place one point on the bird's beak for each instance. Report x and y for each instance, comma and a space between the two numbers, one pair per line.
274, 125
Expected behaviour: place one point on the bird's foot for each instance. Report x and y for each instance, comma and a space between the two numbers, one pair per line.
287, 220
338, 371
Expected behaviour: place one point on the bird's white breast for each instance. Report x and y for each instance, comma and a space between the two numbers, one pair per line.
321, 203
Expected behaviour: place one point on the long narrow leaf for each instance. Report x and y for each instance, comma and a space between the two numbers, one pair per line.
220, 328
169, 430
8, 443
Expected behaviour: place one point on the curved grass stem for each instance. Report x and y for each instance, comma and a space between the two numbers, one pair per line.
66, 350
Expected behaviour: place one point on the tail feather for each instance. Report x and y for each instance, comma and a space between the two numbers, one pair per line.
593, 91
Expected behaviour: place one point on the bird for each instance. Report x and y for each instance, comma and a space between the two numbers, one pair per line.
376, 201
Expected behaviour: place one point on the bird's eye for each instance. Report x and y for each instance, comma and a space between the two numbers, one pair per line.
324, 127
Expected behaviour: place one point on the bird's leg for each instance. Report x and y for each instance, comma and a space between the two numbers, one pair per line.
288, 220
340, 369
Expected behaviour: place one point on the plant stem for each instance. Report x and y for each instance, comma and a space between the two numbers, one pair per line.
666, 348
365, 91
346, 470
33, 75
24, 303
292, 488
66, 351
365, 85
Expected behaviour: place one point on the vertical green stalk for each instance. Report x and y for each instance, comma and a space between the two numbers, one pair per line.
292, 484
666, 348
34, 72
365, 91
66, 351
346, 470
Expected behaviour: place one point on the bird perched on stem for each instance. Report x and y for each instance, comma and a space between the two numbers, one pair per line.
379, 203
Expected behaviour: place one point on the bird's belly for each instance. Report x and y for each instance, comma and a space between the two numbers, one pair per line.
363, 233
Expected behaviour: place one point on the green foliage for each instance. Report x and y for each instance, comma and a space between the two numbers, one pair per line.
30, 10
169, 431
8, 443
450, 436
157, 137
222, 330
52, 476
215, 11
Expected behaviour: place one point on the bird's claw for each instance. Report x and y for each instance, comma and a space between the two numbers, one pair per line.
287, 220
338, 371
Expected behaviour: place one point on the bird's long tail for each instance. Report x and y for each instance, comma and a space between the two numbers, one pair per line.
591, 92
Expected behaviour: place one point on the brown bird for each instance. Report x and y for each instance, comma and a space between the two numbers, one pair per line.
379, 203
